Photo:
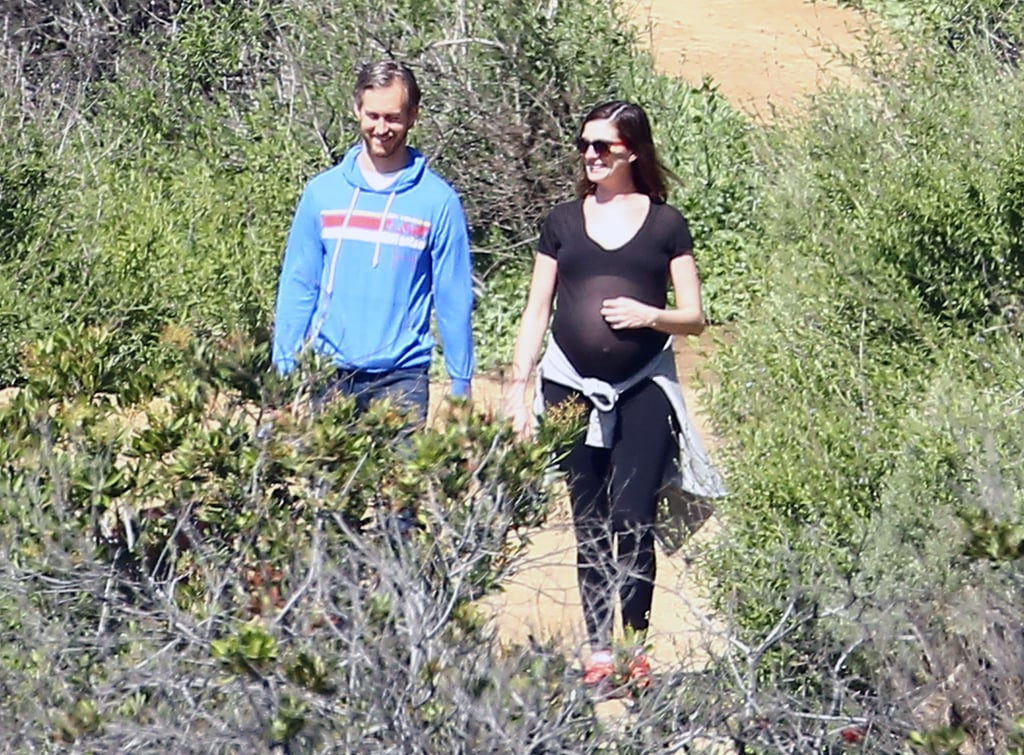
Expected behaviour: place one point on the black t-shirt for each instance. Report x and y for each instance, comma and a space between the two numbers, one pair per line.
588, 274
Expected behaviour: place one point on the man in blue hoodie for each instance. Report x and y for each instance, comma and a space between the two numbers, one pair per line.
377, 242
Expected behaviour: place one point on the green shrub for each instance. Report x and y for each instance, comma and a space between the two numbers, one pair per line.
869, 401
992, 27
324, 568
894, 223
711, 149
31, 187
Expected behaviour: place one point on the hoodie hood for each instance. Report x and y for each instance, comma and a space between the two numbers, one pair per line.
408, 177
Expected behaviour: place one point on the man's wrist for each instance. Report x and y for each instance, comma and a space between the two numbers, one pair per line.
461, 387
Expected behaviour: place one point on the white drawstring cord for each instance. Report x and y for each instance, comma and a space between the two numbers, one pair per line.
323, 306
380, 228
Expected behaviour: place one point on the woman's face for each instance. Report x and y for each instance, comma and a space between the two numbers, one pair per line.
606, 158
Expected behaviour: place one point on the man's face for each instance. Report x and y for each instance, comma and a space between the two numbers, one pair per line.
385, 119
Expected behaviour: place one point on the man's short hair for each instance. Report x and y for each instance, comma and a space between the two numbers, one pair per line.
382, 74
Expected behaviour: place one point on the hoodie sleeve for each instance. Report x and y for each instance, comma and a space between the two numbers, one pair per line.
298, 288
453, 293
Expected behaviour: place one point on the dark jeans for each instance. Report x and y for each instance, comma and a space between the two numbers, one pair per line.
409, 388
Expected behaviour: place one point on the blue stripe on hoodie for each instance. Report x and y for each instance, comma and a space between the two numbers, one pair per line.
363, 269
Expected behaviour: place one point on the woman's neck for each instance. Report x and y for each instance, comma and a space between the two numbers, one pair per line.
604, 194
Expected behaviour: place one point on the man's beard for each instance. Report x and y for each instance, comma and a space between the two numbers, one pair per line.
384, 149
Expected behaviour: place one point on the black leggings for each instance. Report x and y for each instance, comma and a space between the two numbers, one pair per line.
614, 498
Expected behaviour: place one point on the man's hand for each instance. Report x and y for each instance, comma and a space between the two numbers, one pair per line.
453, 409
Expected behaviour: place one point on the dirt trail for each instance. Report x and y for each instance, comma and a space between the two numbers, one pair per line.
764, 55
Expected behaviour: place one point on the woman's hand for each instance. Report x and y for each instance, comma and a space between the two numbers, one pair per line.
514, 409
623, 312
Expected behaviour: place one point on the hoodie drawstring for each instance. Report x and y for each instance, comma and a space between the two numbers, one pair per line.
380, 228
325, 302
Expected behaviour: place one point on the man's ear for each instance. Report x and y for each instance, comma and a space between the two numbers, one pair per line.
414, 112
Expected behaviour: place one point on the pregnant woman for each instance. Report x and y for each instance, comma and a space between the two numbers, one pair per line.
609, 256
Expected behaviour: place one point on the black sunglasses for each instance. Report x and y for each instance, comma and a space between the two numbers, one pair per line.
601, 146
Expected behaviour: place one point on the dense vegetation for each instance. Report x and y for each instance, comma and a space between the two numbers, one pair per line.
178, 575
873, 398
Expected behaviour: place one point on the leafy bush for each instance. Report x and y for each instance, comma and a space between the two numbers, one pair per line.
870, 403
989, 26
710, 147
30, 187
168, 558
893, 216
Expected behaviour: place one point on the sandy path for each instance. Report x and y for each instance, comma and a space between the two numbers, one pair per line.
764, 56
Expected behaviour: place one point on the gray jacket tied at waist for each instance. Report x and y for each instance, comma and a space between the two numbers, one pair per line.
692, 472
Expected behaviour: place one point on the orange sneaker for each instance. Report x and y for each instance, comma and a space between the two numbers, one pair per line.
639, 671
598, 669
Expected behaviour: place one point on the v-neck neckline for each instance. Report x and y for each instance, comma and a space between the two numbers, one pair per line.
624, 244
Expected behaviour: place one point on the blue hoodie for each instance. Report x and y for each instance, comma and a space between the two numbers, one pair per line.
364, 267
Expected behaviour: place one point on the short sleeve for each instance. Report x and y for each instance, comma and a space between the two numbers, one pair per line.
680, 241
549, 242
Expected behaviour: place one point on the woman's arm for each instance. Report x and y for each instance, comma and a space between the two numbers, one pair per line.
534, 322
686, 318
532, 327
